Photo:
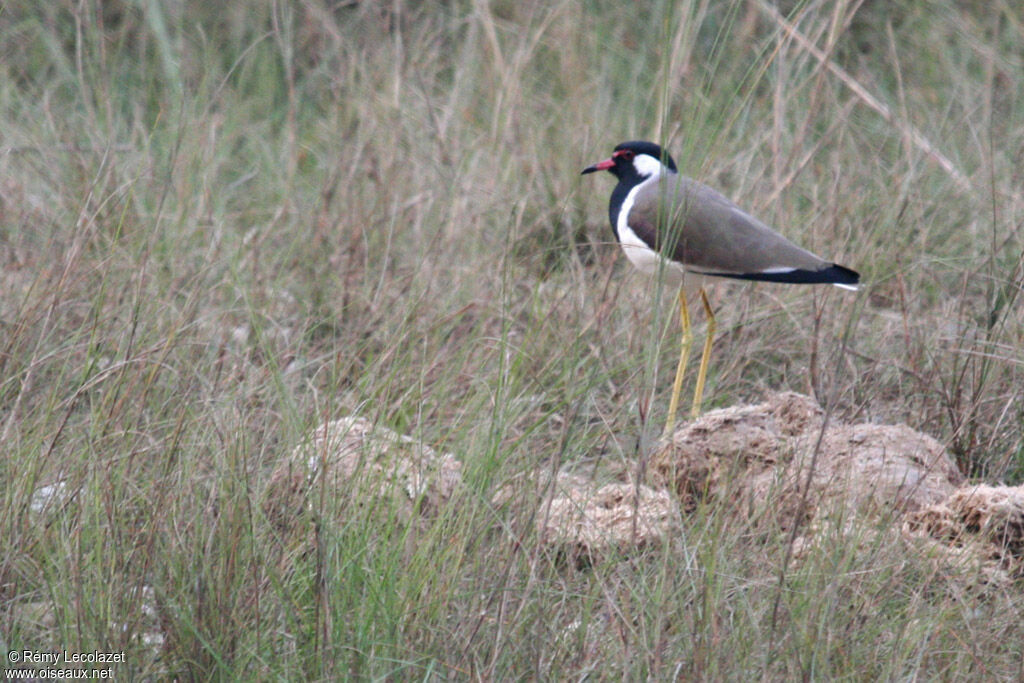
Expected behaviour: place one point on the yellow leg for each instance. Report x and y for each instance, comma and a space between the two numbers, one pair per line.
684, 354
705, 357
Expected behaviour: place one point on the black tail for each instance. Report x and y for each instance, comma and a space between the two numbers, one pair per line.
834, 274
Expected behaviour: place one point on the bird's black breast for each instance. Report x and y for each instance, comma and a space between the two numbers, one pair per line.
619, 195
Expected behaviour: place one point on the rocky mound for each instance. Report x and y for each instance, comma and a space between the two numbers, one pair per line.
771, 465
352, 457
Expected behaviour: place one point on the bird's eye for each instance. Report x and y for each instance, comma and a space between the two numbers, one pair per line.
628, 154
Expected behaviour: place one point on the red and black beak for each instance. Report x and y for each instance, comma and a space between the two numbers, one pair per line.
599, 166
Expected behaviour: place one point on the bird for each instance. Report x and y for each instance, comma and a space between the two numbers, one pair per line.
667, 222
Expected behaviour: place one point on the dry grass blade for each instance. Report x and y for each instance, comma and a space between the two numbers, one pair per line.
913, 134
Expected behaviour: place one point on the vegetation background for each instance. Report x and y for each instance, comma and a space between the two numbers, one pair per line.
222, 224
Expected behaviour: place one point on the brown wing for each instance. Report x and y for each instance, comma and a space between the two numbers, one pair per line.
706, 232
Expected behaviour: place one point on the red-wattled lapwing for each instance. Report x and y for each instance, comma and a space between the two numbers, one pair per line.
665, 220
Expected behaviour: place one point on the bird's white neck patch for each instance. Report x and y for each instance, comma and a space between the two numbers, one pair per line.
647, 166
639, 253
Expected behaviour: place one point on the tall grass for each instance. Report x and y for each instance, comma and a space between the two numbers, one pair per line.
221, 225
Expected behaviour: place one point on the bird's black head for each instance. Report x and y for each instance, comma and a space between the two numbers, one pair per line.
638, 159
